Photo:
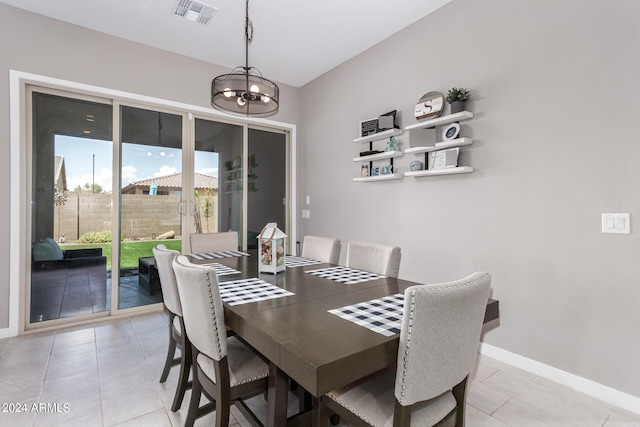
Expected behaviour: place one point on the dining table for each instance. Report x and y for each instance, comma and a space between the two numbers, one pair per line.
299, 336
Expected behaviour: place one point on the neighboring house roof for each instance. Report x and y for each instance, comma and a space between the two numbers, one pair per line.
174, 181
60, 174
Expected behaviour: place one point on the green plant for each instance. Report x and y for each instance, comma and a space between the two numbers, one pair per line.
95, 237
457, 94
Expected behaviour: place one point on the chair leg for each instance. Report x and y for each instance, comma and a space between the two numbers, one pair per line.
223, 408
196, 392
171, 351
183, 380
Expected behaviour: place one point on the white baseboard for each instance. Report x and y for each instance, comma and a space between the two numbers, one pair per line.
599, 391
4, 333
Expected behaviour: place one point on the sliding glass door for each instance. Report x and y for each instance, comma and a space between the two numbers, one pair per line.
71, 152
151, 199
109, 180
218, 177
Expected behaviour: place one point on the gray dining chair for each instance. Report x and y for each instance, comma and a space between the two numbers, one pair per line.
379, 259
177, 335
325, 249
213, 242
439, 340
224, 369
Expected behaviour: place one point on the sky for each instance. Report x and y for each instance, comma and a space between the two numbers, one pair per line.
138, 161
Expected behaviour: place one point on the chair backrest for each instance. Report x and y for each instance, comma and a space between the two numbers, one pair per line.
202, 308
374, 258
325, 249
440, 336
213, 242
164, 258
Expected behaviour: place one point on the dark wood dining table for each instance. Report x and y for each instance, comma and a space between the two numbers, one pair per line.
303, 341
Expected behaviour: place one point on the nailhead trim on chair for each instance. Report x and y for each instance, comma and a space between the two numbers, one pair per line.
213, 312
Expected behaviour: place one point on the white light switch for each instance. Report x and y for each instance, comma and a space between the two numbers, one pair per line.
308, 200
619, 223
306, 214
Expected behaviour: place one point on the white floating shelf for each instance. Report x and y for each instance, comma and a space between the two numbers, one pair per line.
459, 142
378, 136
379, 177
379, 156
434, 172
444, 120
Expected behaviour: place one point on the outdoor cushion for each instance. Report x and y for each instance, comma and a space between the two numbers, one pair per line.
44, 251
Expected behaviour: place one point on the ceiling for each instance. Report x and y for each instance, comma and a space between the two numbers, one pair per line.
294, 41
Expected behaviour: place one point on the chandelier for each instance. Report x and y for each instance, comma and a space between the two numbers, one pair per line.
245, 91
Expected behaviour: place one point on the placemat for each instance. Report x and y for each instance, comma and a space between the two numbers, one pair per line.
217, 255
221, 270
382, 315
345, 275
250, 290
298, 261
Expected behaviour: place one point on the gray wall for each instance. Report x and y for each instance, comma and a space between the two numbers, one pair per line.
555, 87
39, 45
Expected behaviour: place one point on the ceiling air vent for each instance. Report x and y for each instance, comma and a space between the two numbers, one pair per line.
195, 11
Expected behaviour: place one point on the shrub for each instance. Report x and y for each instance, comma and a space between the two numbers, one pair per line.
95, 237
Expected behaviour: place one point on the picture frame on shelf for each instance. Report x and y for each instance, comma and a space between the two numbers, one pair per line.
364, 171
430, 105
443, 159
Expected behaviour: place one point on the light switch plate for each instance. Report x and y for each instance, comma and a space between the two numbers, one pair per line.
617, 223
306, 214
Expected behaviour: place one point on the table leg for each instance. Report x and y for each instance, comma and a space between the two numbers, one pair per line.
277, 397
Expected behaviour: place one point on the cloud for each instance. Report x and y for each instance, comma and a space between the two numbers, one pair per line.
165, 170
102, 177
129, 174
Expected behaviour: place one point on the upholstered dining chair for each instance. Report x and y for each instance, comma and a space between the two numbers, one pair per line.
177, 335
224, 369
213, 242
325, 249
374, 258
439, 340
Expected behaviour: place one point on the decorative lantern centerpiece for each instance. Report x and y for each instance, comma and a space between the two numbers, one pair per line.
271, 249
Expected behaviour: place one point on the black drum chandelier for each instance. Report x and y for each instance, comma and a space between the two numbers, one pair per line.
245, 91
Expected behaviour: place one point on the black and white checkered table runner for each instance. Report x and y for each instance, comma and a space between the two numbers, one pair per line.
382, 315
221, 270
346, 275
218, 255
298, 261
250, 290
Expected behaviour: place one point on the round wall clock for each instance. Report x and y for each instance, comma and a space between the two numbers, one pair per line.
415, 165
451, 132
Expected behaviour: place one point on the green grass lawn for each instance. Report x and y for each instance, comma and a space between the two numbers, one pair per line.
129, 251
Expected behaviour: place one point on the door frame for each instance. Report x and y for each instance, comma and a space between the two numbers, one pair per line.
19, 240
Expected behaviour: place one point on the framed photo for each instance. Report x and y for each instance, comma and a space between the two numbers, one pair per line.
451, 132
443, 159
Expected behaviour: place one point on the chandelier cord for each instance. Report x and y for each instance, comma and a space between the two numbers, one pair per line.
248, 27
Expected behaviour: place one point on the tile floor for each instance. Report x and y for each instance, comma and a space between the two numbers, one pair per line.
106, 374
56, 294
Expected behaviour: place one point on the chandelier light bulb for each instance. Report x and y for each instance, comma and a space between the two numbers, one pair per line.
266, 99
228, 92
241, 101
254, 88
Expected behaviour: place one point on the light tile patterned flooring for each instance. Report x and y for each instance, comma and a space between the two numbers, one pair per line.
108, 375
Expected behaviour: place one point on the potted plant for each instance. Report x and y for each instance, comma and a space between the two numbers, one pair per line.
457, 97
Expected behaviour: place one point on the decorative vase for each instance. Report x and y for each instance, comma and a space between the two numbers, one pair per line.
457, 106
